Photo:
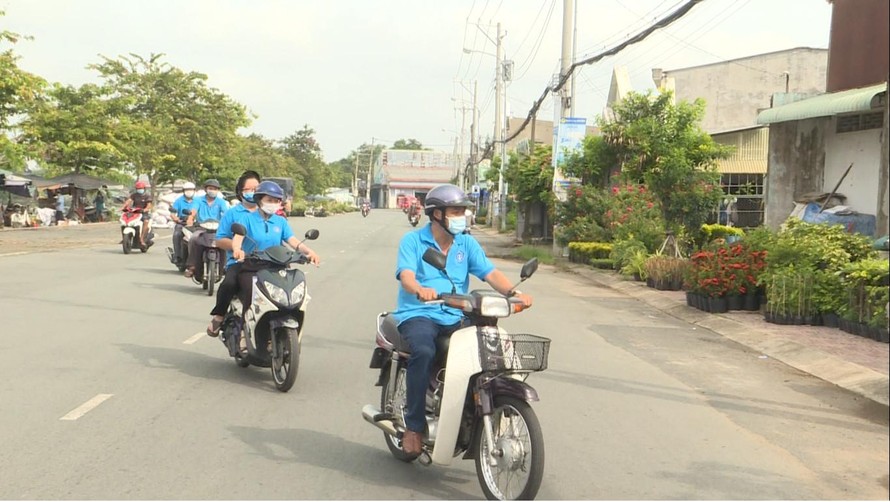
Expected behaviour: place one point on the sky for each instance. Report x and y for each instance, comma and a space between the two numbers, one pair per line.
358, 71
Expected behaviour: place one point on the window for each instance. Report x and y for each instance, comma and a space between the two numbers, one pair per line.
859, 122
747, 211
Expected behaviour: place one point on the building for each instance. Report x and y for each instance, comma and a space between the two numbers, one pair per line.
812, 141
411, 173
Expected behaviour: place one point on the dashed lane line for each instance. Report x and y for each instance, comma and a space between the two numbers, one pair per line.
194, 338
86, 407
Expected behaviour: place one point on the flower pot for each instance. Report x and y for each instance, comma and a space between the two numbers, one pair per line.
874, 333
843, 325
797, 320
830, 319
751, 302
769, 317
637, 277
856, 328
885, 335
718, 305
676, 284
735, 302
690, 299
650, 282
813, 320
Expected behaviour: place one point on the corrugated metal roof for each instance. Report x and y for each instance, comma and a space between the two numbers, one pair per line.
742, 166
750, 150
826, 105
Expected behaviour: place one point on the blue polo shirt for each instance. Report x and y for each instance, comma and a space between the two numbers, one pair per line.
263, 233
464, 258
183, 206
209, 210
237, 214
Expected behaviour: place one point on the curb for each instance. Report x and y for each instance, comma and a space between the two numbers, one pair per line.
858, 379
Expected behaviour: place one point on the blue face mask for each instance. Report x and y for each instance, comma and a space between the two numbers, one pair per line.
248, 197
457, 225
140, 190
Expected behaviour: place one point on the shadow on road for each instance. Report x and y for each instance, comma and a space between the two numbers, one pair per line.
197, 365
370, 465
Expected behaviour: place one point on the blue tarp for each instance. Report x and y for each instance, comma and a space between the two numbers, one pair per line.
853, 223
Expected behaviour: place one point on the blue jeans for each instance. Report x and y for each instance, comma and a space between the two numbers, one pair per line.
421, 334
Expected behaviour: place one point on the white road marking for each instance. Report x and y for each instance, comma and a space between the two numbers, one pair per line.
86, 407
195, 338
14, 254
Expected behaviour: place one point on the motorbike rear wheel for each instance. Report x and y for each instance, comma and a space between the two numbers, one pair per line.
286, 363
517, 434
396, 407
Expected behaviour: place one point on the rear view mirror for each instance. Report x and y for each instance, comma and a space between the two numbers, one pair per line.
312, 234
238, 229
528, 269
435, 258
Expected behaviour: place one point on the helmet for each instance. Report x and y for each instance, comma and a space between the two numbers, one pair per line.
140, 184
444, 196
269, 188
212, 182
188, 185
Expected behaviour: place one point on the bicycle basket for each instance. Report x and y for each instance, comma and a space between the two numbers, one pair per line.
513, 352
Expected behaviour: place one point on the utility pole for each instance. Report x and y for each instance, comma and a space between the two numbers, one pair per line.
474, 180
355, 179
370, 168
565, 105
498, 122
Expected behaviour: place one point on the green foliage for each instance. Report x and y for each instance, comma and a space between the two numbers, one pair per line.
634, 264
605, 263
407, 144
543, 255
531, 177
592, 164
625, 250
717, 231
632, 212
19, 92
304, 151
583, 252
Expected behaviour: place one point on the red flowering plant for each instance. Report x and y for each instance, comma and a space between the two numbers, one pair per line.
633, 212
721, 270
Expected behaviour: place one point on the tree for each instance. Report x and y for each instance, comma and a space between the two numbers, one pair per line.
304, 150
407, 144
168, 123
263, 155
19, 90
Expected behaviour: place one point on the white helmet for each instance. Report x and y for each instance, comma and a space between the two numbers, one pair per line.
188, 185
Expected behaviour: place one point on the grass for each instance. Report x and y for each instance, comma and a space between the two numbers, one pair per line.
543, 254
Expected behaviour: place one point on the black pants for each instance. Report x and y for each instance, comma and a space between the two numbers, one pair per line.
238, 280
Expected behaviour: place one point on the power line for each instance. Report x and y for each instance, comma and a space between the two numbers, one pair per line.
537, 46
677, 14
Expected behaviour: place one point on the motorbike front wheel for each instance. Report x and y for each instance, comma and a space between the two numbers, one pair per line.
127, 243
212, 270
519, 452
286, 362
396, 407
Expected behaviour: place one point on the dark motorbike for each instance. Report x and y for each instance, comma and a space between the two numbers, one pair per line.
273, 325
366, 208
414, 216
213, 262
480, 406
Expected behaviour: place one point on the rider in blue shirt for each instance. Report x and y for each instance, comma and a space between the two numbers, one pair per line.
421, 324
181, 209
210, 206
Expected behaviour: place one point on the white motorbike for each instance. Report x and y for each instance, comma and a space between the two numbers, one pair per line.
131, 228
479, 407
273, 324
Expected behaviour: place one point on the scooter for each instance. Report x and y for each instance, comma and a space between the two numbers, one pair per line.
479, 407
414, 217
184, 247
213, 268
366, 208
131, 229
273, 324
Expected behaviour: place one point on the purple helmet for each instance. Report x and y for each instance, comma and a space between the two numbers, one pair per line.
444, 196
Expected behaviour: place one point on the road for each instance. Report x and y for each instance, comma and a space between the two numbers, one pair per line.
110, 391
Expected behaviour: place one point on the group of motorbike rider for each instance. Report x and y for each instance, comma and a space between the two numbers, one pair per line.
420, 322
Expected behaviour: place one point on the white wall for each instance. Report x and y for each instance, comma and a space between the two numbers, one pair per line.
863, 149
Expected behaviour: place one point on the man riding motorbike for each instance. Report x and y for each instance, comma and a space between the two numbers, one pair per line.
182, 208
210, 206
420, 323
265, 229
141, 200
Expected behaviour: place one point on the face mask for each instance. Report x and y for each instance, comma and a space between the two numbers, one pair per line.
140, 190
271, 207
248, 197
211, 194
457, 225
189, 194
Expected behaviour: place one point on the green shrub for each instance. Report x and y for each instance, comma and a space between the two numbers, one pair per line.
717, 231
623, 251
583, 252
605, 263
528, 252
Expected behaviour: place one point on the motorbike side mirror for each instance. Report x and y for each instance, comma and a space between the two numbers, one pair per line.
238, 229
312, 234
528, 269
435, 258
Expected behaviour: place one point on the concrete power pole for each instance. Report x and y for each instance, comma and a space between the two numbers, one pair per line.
474, 180
370, 168
565, 105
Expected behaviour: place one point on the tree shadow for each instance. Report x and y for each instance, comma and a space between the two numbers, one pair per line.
369, 465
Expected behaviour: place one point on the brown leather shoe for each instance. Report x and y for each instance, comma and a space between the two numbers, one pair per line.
412, 442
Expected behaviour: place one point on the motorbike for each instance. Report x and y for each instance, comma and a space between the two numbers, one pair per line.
213, 261
414, 217
365, 210
131, 227
479, 408
185, 250
273, 325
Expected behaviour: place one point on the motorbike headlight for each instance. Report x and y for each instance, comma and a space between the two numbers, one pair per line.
494, 306
276, 294
296, 296
210, 225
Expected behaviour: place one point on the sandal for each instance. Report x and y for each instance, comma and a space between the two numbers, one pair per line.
189, 272
213, 328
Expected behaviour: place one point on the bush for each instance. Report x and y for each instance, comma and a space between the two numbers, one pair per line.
583, 252
543, 255
605, 263
623, 251
717, 231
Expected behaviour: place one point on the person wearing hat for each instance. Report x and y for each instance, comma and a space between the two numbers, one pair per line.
421, 323
209, 206
140, 199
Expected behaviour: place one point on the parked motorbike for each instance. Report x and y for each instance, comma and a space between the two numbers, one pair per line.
479, 407
273, 325
213, 268
131, 227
